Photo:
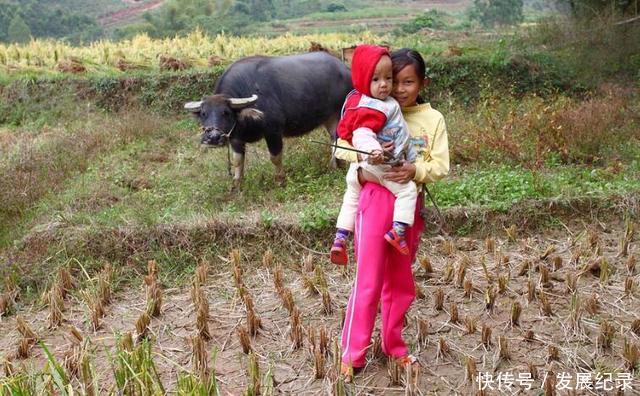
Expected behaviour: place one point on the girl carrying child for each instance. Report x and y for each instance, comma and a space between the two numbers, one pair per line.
383, 271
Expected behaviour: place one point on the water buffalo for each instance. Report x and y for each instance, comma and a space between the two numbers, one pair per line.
272, 97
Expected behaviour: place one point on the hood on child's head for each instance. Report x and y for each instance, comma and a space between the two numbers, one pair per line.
363, 64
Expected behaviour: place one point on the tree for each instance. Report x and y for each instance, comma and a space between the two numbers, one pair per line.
591, 8
19, 31
497, 12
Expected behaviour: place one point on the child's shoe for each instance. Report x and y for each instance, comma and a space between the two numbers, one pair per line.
397, 241
339, 252
408, 360
347, 372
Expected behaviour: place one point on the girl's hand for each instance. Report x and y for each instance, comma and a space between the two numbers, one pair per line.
403, 173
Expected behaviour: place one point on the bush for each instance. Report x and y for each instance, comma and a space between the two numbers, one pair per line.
336, 7
492, 13
534, 132
594, 49
431, 19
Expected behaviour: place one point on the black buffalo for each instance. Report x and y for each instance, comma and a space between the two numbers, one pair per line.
272, 97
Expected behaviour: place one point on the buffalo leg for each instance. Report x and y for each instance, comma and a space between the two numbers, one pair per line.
237, 161
274, 144
331, 125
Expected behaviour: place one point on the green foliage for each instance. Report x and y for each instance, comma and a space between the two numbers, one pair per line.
317, 217
336, 7
594, 8
596, 50
40, 18
19, 31
492, 13
432, 19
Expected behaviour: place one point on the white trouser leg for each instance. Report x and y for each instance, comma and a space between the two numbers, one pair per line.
347, 216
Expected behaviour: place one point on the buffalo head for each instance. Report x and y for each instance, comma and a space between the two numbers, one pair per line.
220, 114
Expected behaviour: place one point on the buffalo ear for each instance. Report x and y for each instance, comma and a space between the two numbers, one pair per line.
250, 114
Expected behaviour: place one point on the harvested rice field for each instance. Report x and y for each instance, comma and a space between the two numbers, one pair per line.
552, 313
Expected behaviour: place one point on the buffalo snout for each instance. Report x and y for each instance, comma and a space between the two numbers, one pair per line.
213, 137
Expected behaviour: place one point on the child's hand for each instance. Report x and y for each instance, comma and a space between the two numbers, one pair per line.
388, 147
376, 157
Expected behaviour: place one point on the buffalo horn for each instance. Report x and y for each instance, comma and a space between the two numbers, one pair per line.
239, 103
193, 106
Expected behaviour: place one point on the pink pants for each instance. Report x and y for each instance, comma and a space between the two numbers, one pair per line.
382, 274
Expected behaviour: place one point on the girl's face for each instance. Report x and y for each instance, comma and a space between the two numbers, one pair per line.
406, 86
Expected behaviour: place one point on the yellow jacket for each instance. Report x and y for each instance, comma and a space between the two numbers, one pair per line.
429, 136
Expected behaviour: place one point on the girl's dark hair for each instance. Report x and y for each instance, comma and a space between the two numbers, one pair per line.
404, 57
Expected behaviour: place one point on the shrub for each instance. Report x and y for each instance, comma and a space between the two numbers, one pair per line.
492, 13
431, 19
533, 131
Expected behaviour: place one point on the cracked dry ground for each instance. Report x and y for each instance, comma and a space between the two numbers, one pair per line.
576, 289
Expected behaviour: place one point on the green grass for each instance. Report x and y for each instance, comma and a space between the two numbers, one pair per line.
168, 180
499, 187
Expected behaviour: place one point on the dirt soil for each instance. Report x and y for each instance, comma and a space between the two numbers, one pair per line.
129, 14
568, 251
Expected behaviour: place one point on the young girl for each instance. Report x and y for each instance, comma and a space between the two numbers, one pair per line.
383, 274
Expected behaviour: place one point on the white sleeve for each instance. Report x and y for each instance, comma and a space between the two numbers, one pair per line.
365, 139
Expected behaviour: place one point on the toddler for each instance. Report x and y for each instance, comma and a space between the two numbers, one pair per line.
370, 116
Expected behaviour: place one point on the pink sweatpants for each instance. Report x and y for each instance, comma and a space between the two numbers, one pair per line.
382, 274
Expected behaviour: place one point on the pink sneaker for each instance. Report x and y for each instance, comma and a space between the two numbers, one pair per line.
397, 241
339, 252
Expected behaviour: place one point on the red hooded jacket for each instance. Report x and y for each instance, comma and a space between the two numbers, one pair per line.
363, 64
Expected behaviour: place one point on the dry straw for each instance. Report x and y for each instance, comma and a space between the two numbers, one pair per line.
503, 282
545, 306
531, 290
524, 268
245, 340
490, 245
486, 335
419, 293
461, 272
422, 331
606, 335
267, 259
142, 326
448, 273
453, 313
468, 288
425, 263
202, 320
571, 282
55, 301
471, 370
438, 299
470, 324
631, 355
296, 332
489, 299
326, 302
443, 349
503, 348
635, 327
516, 310
592, 306
199, 356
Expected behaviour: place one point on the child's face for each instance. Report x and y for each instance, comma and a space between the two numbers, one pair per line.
382, 79
406, 86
